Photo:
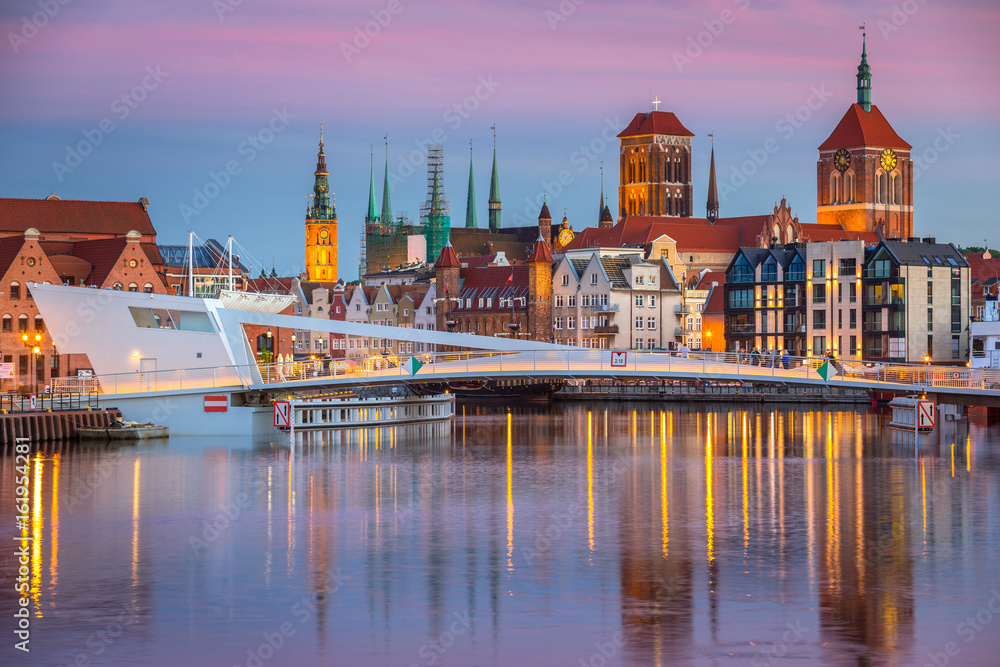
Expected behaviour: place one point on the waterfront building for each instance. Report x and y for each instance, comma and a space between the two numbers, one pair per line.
108, 245
713, 315
496, 300
613, 298
916, 302
321, 224
984, 274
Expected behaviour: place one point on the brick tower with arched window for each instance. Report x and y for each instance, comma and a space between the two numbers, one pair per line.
655, 166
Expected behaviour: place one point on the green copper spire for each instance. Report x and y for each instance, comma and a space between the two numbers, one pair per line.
322, 207
470, 202
494, 203
864, 77
386, 201
370, 217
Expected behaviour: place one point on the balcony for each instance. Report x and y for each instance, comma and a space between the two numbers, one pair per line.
740, 329
606, 330
613, 308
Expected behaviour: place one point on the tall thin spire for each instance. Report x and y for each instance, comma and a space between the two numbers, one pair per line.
864, 75
600, 206
386, 200
470, 202
371, 217
494, 204
322, 207
713, 192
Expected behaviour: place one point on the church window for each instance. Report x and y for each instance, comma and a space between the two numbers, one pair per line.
15, 291
132, 287
897, 188
835, 197
849, 188
881, 187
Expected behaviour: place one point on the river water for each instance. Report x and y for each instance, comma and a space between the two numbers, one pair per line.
604, 534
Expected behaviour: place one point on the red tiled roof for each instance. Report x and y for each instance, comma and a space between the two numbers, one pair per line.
448, 258
980, 271
478, 261
269, 285
716, 301
64, 216
9, 247
102, 255
712, 277
540, 253
691, 234
655, 122
492, 281
863, 128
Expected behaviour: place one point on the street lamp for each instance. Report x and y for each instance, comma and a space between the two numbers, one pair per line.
34, 344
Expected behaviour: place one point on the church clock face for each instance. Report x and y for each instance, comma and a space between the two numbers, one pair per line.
842, 160
323, 233
888, 159
565, 236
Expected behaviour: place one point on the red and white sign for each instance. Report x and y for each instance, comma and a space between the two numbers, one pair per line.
926, 414
216, 403
282, 414
619, 359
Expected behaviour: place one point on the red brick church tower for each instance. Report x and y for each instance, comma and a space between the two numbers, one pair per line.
655, 166
864, 177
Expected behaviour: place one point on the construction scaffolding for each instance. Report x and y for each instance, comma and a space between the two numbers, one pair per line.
434, 216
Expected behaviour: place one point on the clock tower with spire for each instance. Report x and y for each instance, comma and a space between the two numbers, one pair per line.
864, 176
321, 225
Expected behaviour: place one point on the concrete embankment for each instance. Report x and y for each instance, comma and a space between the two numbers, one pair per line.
53, 426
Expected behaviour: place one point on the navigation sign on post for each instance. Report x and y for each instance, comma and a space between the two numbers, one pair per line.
34, 402
282, 414
926, 414
619, 359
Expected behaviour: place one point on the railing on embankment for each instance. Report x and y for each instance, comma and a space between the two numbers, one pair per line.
579, 363
53, 426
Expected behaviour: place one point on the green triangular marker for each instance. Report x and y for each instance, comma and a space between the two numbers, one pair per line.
412, 365
827, 371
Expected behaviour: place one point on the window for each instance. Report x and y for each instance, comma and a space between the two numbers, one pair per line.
819, 345
22, 323
796, 271
639, 300
954, 347
853, 319
8, 322
742, 272
357, 307
468, 303
930, 292
741, 298
565, 279
571, 322
930, 346
848, 268
427, 310
930, 319
148, 288
585, 322
896, 295
480, 302
39, 324
638, 323
651, 323
571, 301
879, 268
852, 293
639, 280
769, 273
840, 319
15, 291
132, 287
489, 302
854, 344
819, 319
652, 301
819, 268
559, 323
819, 293
593, 278
117, 286
840, 292
604, 299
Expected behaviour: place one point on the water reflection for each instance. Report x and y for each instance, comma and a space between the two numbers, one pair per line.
520, 536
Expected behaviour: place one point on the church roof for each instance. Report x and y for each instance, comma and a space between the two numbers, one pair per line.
448, 258
68, 216
655, 122
863, 128
726, 235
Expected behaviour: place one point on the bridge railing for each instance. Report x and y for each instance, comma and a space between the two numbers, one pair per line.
739, 366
